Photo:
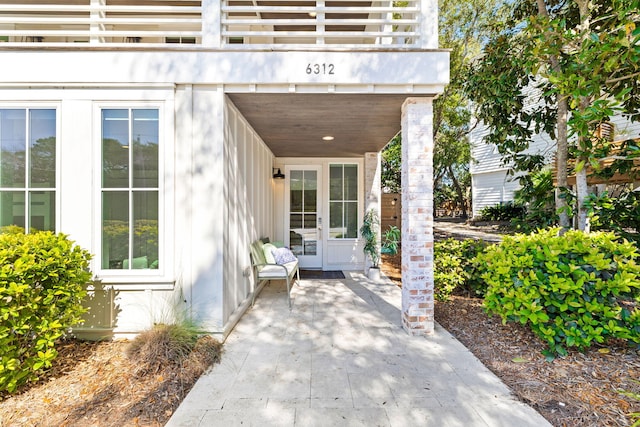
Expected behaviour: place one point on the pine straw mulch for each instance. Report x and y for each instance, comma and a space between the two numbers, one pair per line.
96, 384
577, 390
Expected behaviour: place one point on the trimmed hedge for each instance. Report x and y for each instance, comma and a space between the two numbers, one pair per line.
43, 279
456, 268
572, 290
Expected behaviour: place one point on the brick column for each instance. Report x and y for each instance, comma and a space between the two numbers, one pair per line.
417, 216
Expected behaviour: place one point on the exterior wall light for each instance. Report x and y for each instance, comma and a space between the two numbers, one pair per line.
278, 174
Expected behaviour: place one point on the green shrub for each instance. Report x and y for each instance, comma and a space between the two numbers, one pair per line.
42, 284
503, 212
571, 290
618, 214
537, 194
456, 267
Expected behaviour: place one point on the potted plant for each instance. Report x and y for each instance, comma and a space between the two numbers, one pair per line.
369, 232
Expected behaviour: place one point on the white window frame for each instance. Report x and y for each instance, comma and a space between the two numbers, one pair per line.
163, 274
35, 105
359, 167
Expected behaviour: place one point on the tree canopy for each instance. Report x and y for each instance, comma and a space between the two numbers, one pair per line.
463, 28
562, 67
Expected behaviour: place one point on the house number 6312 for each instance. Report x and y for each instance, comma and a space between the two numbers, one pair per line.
320, 69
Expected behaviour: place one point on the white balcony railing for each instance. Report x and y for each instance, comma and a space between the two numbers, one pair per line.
236, 24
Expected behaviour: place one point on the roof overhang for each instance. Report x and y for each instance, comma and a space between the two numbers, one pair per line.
293, 125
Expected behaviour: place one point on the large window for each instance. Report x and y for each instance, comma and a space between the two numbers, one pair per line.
130, 189
343, 201
28, 168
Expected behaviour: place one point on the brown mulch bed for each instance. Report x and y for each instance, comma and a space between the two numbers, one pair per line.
582, 389
96, 384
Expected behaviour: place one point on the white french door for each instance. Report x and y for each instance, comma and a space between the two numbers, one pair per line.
303, 214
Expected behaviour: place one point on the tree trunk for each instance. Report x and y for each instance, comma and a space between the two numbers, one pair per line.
581, 195
581, 177
458, 189
561, 163
561, 140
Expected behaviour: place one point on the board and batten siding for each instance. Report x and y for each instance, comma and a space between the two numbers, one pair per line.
248, 213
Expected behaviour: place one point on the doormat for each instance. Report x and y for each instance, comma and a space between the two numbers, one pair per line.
319, 274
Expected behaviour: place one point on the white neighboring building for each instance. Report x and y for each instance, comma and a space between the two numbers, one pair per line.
490, 183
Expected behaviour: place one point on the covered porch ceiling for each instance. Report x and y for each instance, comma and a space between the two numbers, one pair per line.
293, 125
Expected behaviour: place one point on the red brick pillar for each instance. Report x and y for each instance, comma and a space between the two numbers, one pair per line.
417, 216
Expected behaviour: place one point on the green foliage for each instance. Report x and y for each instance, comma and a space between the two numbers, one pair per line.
503, 212
572, 290
538, 195
391, 166
391, 240
457, 268
550, 57
618, 214
635, 416
369, 232
42, 284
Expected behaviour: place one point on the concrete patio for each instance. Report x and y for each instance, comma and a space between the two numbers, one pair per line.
341, 358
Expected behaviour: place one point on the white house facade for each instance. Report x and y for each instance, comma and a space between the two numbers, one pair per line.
155, 134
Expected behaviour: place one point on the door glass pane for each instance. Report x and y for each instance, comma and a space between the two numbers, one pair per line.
145, 233
303, 218
42, 143
295, 242
145, 148
12, 208
350, 182
12, 148
335, 182
115, 148
295, 221
115, 229
295, 197
310, 220
42, 214
311, 244
310, 190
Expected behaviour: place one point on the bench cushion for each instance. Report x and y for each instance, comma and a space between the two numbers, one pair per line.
276, 271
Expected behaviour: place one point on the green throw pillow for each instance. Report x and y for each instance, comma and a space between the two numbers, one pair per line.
267, 248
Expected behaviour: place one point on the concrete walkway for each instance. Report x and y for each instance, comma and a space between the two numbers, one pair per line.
341, 358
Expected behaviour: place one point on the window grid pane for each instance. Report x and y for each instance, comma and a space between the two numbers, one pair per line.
343, 201
42, 210
27, 163
13, 143
115, 229
42, 148
130, 181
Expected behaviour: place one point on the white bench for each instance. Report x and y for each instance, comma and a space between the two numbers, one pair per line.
264, 271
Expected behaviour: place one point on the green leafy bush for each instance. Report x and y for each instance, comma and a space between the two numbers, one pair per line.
456, 267
503, 212
42, 284
571, 290
537, 194
618, 214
